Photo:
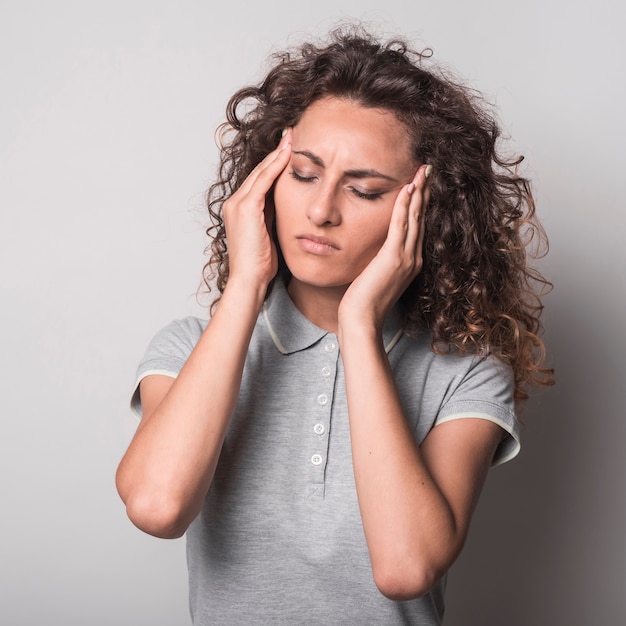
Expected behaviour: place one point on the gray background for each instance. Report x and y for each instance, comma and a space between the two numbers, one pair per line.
106, 147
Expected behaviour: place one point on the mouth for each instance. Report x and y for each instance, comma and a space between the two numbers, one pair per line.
317, 245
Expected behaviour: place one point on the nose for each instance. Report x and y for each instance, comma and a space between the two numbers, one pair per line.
323, 207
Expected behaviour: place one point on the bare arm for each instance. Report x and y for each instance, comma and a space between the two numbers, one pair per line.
415, 502
168, 468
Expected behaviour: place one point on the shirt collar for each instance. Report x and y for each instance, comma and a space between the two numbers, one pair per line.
291, 331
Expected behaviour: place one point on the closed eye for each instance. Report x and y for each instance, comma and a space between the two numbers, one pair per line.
302, 179
357, 192
365, 196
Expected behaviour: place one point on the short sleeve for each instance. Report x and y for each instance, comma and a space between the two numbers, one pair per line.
486, 391
167, 353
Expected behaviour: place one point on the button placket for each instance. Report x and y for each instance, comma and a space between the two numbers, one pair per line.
324, 381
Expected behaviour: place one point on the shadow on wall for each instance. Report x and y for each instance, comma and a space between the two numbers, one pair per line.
546, 545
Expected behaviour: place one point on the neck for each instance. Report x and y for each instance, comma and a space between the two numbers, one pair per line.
319, 305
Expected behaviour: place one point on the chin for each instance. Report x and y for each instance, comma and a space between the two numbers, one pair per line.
320, 279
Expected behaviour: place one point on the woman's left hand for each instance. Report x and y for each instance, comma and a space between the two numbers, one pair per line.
416, 500
372, 294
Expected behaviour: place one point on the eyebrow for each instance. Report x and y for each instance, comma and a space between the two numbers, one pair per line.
364, 173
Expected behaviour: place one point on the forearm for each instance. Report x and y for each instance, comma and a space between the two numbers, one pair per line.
169, 466
410, 528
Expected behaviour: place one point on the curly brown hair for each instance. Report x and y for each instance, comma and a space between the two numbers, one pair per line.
476, 292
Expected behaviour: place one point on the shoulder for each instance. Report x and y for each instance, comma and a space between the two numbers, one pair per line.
486, 391
456, 385
171, 346
183, 333
450, 368
167, 352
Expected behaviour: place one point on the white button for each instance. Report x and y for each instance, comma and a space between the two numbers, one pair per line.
319, 429
316, 459
322, 399
326, 371
330, 346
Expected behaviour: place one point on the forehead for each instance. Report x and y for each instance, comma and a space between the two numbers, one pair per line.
337, 127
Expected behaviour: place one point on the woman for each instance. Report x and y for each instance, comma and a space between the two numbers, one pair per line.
324, 438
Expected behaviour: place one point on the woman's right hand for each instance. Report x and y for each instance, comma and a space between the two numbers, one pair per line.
248, 221
166, 473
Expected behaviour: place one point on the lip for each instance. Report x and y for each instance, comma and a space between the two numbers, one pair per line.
317, 245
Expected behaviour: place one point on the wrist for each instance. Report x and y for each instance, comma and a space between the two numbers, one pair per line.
360, 319
247, 292
359, 330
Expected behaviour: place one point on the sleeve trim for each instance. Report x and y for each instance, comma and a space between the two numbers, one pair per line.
135, 402
507, 449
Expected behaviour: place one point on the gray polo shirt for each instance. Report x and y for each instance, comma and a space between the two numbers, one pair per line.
280, 539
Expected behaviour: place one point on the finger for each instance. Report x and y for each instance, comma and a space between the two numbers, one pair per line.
413, 211
399, 222
422, 197
267, 160
266, 172
405, 223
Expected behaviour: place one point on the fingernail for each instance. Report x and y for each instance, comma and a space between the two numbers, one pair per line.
429, 169
411, 188
284, 132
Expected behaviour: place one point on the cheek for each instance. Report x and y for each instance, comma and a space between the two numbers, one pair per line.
376, 228
368, 237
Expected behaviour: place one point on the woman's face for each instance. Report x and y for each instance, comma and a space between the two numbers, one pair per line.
335, 197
